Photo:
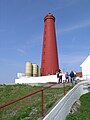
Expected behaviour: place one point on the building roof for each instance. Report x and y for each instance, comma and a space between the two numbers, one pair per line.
79, 74
86, 61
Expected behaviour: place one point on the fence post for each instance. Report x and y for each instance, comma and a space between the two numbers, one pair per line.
64, 88
42, 103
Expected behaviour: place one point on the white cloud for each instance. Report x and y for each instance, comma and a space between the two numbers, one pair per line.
21, 51
80, 25
71, 62
33, 41
64, 4
74, 59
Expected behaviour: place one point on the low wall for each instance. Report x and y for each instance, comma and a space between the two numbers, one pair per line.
61, 110
41, 79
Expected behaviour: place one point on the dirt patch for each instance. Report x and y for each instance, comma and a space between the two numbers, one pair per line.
75, 107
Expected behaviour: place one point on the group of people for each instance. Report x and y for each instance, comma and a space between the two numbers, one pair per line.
68, 77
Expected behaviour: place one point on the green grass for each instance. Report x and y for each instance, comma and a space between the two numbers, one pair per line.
28, 108
84, 111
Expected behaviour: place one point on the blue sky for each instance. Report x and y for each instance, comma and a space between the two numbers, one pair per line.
21, 34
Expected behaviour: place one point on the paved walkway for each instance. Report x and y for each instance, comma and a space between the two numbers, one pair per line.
57, 85
61, 85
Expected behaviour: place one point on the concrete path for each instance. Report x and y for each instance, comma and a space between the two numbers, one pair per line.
57, 85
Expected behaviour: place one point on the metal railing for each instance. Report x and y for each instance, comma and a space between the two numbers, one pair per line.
33, 93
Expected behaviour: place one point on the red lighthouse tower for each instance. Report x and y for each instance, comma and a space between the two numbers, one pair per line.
49, 63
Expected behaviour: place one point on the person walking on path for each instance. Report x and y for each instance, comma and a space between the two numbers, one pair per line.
67, 77
59, 75
72, 76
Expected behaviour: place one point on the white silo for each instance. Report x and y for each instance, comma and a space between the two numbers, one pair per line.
28, 69
35, 70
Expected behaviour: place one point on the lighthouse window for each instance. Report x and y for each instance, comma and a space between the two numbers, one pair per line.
43, 61
44, 45
45, 31
44, 53
45, 25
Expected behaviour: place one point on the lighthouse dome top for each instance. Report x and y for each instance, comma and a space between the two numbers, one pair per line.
49, 16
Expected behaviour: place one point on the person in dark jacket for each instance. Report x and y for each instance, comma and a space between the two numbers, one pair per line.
72, 76
59, 76
67, 77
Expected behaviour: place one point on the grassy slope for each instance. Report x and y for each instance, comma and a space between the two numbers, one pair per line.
28, 108
84, 111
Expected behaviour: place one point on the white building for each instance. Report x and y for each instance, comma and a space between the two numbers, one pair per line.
40, 79
86, 68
